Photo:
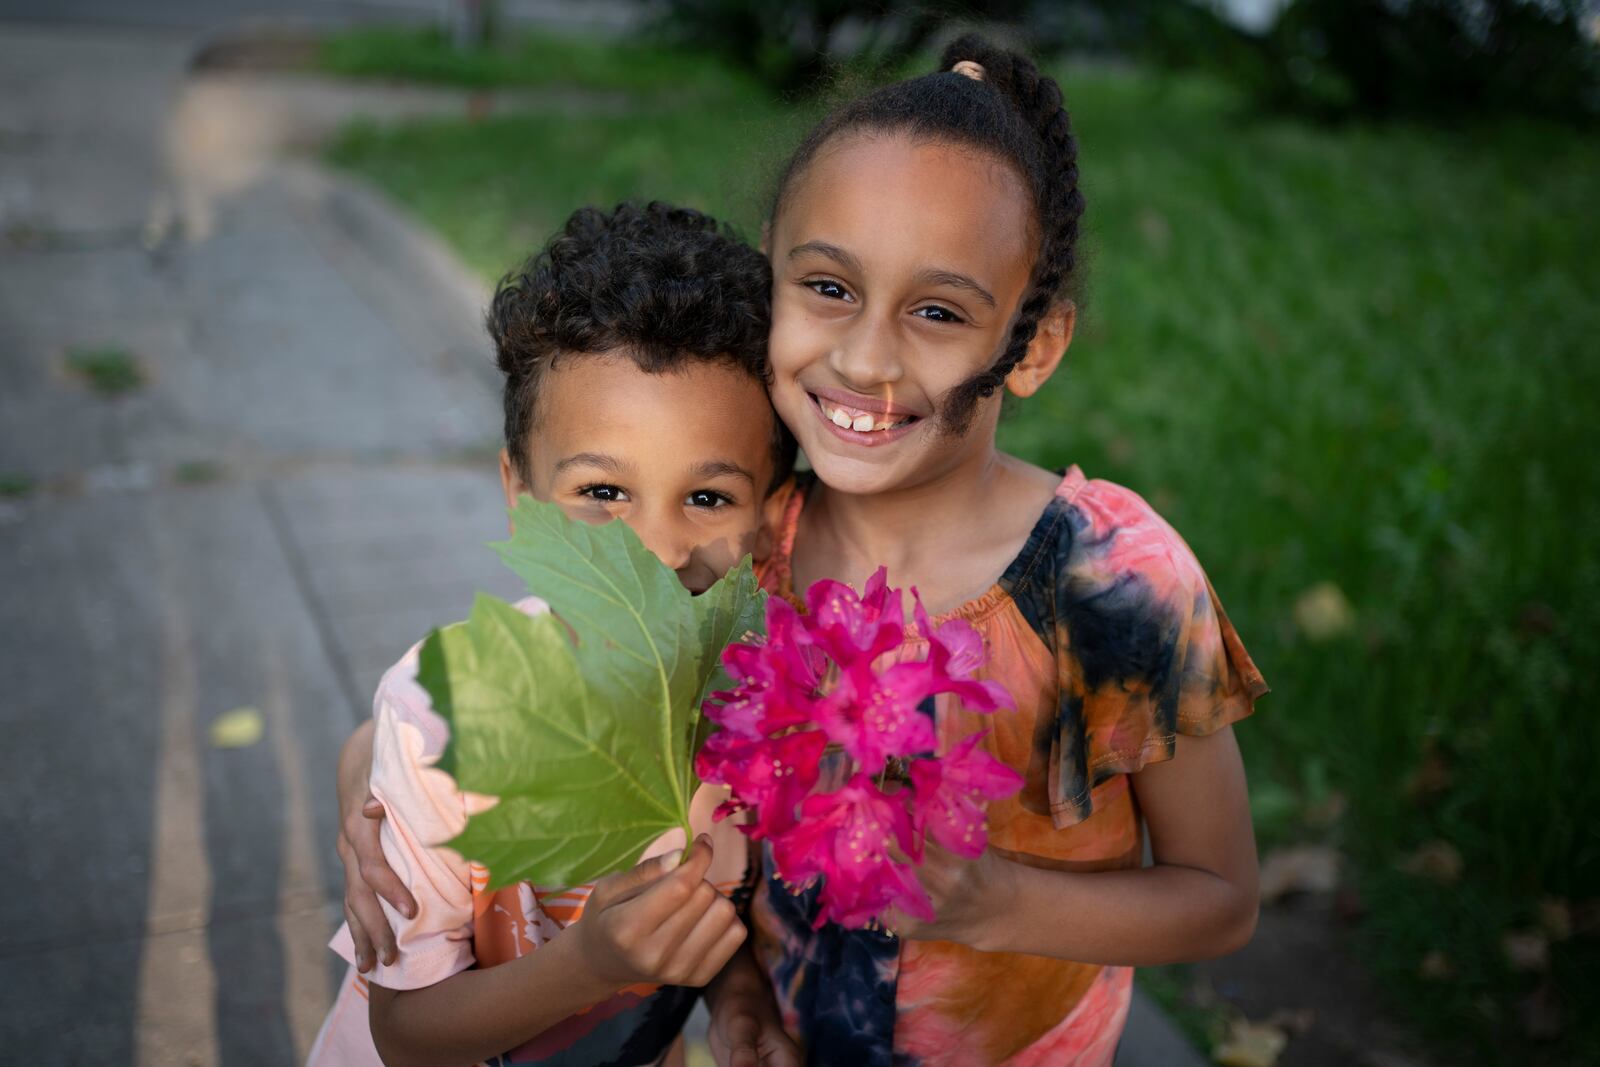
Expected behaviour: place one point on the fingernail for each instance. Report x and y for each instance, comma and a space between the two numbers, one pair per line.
388, 959
670, 860
408, 910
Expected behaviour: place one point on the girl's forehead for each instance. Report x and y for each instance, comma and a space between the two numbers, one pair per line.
936, 199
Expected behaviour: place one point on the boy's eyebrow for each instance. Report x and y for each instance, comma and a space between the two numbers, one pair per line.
607, 463
847, 260
716, 468
956, 280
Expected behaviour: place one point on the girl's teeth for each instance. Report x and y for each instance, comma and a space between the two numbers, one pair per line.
862, 423
841, 419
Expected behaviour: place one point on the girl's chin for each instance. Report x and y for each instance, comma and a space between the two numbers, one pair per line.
860, 474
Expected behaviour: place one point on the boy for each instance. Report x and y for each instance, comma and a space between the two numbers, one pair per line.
634, 353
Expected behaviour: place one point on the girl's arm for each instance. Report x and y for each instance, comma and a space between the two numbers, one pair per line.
653, 925
1198, 901
367, 873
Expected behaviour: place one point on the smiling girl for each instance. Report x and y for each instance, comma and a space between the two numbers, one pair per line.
922, 239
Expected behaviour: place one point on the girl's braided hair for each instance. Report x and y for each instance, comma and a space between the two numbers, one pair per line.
1015, 113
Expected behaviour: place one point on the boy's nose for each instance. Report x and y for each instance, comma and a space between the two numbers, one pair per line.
665, 542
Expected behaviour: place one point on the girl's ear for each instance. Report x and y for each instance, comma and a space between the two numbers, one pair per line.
1045, 352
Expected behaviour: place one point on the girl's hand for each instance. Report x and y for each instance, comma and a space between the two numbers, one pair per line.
963, 893
659, 925
367, 874
745, 1028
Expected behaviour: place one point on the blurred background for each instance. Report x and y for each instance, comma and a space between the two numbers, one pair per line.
1339, 325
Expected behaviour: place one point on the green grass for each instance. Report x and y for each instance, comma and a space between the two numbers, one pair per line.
108, 370
529, 60
1362, 356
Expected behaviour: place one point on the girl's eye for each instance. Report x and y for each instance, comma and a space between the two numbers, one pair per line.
935, 313
707, 498
605, 494
828, 288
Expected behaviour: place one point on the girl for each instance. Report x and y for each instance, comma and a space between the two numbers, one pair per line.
922, 239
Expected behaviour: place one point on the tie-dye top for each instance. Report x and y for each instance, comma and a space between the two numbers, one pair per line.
1111, 640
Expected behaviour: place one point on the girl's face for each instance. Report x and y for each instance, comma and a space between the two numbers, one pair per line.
896, 267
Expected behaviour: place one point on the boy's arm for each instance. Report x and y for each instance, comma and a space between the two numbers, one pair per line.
653, 924
367, 874
1198, 901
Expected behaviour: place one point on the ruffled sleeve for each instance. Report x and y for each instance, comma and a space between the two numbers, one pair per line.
1144, 650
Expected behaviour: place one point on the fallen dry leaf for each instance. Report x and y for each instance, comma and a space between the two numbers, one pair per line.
1555, 918
239, 728
1540, 1012
1250, 1045
1300, 869
1439, 861
1296, 1021
1526, 950
1437, 966
1430, 778
1323, 612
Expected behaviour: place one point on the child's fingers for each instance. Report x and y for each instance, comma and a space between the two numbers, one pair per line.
366, 840
713, 942
737, 1034
369, 926
623, 886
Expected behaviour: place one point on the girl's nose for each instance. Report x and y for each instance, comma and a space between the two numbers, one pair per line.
868, 357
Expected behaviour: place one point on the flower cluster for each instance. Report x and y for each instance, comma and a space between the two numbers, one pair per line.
814, 685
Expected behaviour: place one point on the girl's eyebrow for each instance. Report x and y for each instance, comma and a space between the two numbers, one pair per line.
956, 280
928, 276
609, 464
847, 260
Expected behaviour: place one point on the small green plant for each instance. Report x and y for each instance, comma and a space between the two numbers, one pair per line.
109, 370
197, 472
15, 486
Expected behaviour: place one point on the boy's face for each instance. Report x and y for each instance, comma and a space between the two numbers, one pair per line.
684, 458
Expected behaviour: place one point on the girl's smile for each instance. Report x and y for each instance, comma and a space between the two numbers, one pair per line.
860, 420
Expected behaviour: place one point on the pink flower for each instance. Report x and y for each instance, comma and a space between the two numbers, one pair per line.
819, 679
845, 837
849, 627
955, 651
951, 793
771, 776
875, 714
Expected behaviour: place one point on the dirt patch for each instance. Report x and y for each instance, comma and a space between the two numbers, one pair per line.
1302, 972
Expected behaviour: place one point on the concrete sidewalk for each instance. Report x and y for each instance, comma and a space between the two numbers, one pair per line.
298, 491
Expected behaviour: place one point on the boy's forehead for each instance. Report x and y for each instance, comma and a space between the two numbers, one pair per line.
696, 415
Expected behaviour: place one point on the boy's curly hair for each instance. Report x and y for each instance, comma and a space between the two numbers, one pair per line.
665, 286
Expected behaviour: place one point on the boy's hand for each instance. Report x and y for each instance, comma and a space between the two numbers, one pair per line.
745, 1028
659, 925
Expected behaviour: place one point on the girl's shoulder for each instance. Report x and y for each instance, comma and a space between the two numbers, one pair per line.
1096, 533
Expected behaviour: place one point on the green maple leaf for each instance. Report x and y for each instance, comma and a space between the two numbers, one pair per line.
584, 723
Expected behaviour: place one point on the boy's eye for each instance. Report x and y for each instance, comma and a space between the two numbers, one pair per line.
707, 498
605, 494
935, 313
828, 288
